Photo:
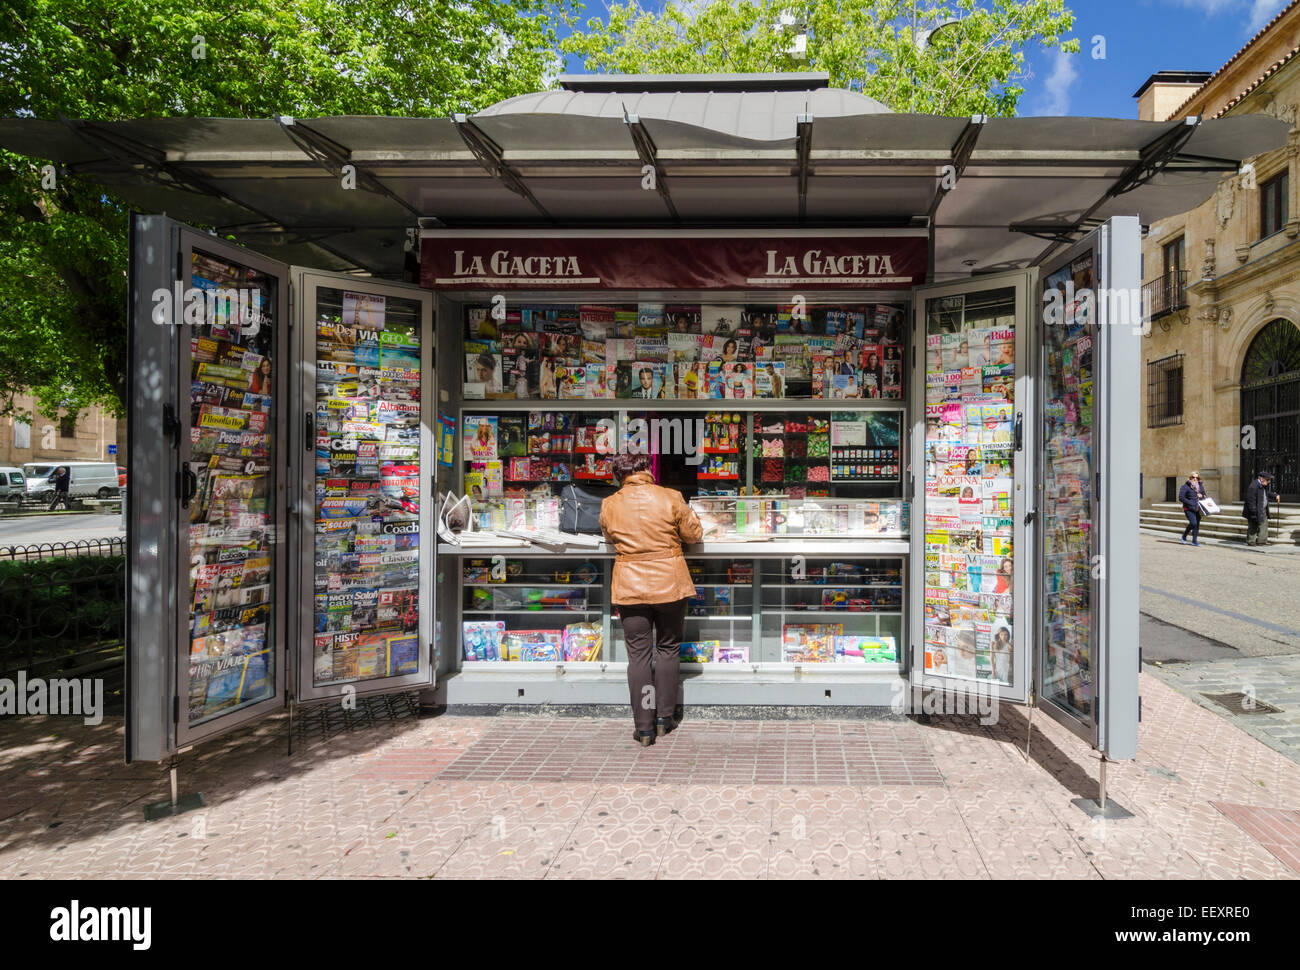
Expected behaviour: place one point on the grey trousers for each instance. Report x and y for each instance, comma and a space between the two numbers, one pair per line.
654, 628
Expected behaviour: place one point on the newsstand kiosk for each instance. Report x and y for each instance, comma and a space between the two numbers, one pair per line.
910, 489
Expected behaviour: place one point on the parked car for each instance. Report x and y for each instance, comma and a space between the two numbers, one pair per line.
86, 478
11, 482
121, 477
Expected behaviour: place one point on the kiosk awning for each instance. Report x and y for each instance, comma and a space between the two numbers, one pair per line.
342, 192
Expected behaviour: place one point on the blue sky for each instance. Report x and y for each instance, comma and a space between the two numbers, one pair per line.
1141, 37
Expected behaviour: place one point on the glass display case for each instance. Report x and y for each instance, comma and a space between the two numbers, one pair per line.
970, 452
532, 609
831, 610
367, 486
232, 485
726, 518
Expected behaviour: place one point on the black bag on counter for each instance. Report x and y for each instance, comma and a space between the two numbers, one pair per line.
580, 507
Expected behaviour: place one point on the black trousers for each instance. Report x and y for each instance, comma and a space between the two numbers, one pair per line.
1253, 528
654, 628
59, 497
1193, 524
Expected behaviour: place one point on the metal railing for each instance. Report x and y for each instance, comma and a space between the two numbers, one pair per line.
112, 546
1165, 294
62, 612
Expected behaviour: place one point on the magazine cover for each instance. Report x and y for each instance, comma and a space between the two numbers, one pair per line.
480, 438
738, 381
721, 321
769, 380
596, 382
682, 318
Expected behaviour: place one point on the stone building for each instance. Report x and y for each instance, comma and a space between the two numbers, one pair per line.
85, 437
1222, 383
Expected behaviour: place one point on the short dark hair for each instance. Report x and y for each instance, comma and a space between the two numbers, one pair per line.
625, 465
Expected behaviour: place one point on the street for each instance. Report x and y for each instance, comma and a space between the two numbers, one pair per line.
22, 530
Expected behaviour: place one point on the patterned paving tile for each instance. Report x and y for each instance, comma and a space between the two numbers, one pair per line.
1277, 831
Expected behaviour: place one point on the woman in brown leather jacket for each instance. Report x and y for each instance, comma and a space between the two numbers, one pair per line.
648, 526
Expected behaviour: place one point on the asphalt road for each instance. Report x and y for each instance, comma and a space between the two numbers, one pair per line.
22, 530
1241, 598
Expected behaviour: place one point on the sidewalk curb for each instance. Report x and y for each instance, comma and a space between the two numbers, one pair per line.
1275, 547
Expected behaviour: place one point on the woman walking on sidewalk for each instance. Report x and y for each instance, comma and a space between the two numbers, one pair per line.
648, 526
1190, 496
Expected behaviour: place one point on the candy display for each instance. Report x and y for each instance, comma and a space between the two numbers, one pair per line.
367, 427
654, 351
232, 516
969, 455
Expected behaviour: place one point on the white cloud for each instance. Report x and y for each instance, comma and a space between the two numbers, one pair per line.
1055, 99
1260, 11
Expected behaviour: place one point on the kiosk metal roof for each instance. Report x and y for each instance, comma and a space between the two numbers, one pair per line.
724, 157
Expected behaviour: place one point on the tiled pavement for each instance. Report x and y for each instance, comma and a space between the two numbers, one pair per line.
1274, 681
553, 797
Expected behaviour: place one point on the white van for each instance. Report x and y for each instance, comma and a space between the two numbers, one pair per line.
86, 479
11, 482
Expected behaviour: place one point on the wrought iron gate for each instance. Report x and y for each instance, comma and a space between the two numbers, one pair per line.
1270, 403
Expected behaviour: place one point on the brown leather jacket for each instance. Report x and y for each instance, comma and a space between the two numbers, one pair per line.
648, 526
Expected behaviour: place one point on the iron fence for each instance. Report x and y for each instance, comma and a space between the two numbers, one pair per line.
112, 546
62, 612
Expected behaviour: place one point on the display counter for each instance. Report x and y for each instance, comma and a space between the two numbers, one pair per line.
794, 620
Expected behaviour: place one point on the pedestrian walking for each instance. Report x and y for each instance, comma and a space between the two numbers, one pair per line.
1190, 496
61, 482
648, 526
1255, 508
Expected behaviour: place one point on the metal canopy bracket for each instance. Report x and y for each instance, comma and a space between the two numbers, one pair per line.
1155, 157
492, 158
152, 163
803, 128
962, 150
649, 155
142, 158
333, 157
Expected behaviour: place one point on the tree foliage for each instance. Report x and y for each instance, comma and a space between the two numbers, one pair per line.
974, 66
63, 248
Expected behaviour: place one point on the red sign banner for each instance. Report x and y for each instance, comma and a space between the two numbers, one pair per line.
673, 262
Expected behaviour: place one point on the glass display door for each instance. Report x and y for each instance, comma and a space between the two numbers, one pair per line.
365, 578
969, 555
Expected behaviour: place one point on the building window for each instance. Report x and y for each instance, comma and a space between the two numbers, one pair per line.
1175, 255
22, 434
1165, 391
68, 426
1273, 208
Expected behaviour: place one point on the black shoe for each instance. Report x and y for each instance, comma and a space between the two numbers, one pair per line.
644, 738
679, 713
663, 725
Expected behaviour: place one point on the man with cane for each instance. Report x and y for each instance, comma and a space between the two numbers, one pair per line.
1255, 509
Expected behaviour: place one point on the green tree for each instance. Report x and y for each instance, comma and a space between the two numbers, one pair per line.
974, 66
63, 247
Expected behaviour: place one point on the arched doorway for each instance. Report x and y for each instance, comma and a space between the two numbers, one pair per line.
1270, 402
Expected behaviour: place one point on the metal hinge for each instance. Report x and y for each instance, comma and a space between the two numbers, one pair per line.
291, 295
